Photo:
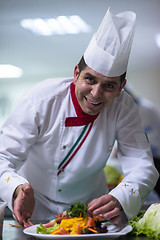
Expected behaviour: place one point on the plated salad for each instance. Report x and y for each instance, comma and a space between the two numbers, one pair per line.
73, 221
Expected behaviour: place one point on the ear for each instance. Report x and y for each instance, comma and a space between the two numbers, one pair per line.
121, 87
76, 73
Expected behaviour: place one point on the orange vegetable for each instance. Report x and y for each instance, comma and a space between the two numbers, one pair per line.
56, 231
12, 225
50, 224
63, 231
93, 230
90, 222
78, 229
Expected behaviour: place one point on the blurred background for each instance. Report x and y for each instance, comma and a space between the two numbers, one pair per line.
40, 39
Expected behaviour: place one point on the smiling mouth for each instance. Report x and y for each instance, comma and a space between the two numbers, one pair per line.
91, 102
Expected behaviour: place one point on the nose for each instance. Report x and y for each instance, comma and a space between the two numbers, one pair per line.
96, 91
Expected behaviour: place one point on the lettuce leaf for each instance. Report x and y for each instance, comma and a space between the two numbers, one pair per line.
42, 230
149, 223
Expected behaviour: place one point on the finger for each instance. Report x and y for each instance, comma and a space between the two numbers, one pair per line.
18, 217
23, 219
113, 215
16, 212
115, 219
101, 210
27, 223
92, 203
97, 203
108, 211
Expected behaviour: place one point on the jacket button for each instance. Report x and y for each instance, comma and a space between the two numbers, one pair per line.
59, 190
64, 147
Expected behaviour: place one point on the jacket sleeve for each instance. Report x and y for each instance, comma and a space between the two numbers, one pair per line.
17, 136
134, 154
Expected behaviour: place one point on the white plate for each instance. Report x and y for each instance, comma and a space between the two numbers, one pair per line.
114, 231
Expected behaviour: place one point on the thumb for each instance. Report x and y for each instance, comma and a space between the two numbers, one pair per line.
26, 188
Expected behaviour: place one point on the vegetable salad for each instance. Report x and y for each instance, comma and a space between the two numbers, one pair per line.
72, 222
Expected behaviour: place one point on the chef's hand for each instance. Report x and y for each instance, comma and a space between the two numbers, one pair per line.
107, 207
23, 204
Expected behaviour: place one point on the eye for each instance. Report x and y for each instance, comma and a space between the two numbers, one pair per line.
109, 86
90, 80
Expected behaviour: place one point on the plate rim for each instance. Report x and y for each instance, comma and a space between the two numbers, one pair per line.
49, 236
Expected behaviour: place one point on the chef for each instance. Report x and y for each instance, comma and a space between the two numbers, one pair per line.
55, 144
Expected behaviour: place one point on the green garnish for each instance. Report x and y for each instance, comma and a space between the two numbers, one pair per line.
42, 230
137, 218
78, 209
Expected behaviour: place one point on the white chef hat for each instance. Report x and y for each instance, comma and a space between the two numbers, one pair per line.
109, 49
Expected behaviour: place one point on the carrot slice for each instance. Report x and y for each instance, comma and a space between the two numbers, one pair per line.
90, 222
63, 231
50, 224
78, 229
12, 225
93, 230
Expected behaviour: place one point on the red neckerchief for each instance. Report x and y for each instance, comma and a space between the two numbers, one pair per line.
82, 117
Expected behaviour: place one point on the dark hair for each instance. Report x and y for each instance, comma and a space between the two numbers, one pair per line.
82, 65
122, 77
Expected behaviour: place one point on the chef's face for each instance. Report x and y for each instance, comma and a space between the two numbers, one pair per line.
95, 91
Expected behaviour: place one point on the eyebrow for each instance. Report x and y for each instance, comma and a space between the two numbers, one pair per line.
87, 74
112, 82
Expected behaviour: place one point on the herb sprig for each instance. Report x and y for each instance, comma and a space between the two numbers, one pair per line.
78, 209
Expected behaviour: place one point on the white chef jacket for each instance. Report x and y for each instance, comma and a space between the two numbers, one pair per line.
34, 141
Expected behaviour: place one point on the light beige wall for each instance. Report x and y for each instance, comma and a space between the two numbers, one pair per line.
146, 83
